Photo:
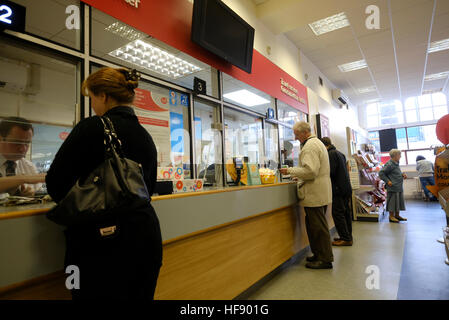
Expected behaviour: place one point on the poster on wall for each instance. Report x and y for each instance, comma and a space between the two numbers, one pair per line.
322, 123
152, 110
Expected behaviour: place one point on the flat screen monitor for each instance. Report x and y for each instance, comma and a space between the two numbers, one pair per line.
220, 30
387, 139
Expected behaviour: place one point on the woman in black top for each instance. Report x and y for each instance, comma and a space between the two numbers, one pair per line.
126, 266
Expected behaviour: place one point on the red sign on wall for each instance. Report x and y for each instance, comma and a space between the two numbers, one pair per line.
170, 21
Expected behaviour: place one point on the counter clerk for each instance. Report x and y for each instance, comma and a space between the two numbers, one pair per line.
18, 176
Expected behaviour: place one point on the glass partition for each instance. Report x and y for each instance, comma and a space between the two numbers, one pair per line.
38, 106
288, 114
164, 113
243, 137
208, 142
245, 96
289, 147
271, 146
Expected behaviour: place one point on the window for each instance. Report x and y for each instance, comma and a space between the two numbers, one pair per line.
374, 137
43, 90
243, 137
47, 19
208, 142
401, 139
149, 56
422, 137
426, 108
384, 114
430, 107
428, 154
414, 141
245, 96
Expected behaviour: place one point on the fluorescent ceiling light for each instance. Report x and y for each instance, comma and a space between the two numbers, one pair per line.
329, 24
438, 46
430, 91
367, 89
351, 66
372, 101
153, 58
246, 98
436, 76
125, 31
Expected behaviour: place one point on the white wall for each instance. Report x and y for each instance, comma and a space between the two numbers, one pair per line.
339, 119
283, 52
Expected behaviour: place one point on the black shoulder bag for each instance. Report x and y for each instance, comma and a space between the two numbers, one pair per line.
112, 189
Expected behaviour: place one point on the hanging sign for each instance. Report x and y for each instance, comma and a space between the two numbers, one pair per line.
12, 16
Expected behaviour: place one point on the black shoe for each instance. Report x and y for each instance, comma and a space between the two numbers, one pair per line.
311, 259
319, 265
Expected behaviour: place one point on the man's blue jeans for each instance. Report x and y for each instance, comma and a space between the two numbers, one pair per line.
427, 181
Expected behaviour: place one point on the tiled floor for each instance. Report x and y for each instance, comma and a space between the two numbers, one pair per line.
409, 259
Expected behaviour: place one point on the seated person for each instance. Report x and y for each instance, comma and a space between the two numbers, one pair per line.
210, 174
425, 174
18, 176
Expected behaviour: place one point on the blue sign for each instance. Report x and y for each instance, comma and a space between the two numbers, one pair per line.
184, 100
12, 16
270, 113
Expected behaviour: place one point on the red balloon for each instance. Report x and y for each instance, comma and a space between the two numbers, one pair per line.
443, 129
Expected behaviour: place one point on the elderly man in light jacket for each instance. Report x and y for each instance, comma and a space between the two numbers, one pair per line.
315, 194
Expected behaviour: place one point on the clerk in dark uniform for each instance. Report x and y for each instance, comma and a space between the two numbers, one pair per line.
128, 265
341, 194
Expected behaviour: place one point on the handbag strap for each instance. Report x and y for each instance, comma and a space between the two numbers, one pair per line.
111, 139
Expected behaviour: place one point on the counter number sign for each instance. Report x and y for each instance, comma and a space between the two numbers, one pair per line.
12, 16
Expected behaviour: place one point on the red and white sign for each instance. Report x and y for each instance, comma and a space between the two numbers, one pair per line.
153, 113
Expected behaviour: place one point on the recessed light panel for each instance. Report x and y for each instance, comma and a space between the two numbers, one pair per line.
436, 76
246, 98
351, 66
153, 58
125, 31
329, 24
438, 46
367, 89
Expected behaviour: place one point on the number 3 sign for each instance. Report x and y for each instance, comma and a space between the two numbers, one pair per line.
12, 16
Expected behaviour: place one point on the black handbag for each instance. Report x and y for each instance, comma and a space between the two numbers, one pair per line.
110, 190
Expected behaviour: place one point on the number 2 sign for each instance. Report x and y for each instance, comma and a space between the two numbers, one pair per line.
12, 16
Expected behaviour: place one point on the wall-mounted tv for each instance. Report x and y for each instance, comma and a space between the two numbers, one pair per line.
388, 140
220, 30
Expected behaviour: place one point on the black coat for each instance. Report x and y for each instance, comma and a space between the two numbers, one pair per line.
341, 185
128, 265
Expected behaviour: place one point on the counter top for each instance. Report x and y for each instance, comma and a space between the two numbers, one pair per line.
38, 209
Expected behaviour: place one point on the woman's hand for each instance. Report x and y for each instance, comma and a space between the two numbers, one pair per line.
390, 183
404, 176
26, 191
283, 170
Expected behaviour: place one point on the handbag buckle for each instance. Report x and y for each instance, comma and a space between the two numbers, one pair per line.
108, 231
